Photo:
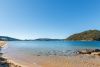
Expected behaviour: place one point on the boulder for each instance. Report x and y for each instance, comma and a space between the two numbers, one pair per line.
97, 50
86, 51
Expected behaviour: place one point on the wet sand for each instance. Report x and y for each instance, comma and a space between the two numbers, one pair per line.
6, 62
2, 43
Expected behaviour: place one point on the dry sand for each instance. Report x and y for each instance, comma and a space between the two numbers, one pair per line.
61, 61
75, 61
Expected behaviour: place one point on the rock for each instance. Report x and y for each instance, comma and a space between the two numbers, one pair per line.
5, 63
3, 60
97, 50
86, 51
95, 53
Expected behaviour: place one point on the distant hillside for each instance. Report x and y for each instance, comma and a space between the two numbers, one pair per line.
90, 35
47, 39
5, 38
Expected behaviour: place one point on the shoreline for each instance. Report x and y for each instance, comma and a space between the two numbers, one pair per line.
5, 62
15, 63
79, 58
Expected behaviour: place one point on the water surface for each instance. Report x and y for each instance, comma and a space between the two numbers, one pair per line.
31, 47
24, 51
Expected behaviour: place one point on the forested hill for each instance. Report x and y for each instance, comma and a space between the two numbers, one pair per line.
89, 35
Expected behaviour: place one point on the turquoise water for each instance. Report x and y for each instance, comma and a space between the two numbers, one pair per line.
46, 47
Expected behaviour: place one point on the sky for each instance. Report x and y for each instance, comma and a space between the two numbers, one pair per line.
31, 19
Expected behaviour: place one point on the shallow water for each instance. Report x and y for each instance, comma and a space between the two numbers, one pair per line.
25, 50
33, 47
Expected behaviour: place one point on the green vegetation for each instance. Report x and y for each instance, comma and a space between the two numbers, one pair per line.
90, 35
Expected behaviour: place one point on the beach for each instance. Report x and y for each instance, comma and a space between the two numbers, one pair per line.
80, 60
62, 61
75, 61
4, 62
24, 54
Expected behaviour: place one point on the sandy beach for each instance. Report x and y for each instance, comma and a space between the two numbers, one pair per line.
60, 61
55, 60
4, 62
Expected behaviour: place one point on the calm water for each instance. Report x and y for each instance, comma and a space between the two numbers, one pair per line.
24, 51
46, 47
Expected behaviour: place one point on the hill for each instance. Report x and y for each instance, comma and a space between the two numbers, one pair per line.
48, 39
6, 38
89, 35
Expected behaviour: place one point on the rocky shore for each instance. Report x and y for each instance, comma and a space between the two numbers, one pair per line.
95, 52
3, 61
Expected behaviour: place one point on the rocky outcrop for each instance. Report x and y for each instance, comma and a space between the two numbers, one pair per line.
90, 51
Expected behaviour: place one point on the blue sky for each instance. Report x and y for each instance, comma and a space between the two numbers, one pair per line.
30, 19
